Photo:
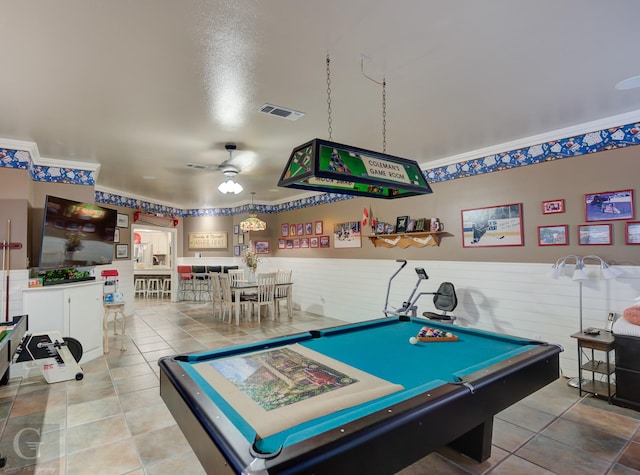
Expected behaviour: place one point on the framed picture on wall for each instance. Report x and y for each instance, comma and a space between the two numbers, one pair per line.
314, 241
318, 228
292, 229
308, 229
609, 205
632, 232
347, 235
122, 220
553, 207
553, 235
240, 238
324, 241
289, 243
236, 229
594, 234
282, 243
262, 247
122, 251
116, 235
304, 243
296, 243
236, 250
492, 226
284, 230
300, 229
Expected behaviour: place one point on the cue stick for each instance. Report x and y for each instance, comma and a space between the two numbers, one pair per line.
6, 290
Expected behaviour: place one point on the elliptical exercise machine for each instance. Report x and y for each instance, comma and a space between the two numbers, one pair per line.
444, 299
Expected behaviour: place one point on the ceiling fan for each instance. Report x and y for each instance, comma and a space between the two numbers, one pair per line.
228, 170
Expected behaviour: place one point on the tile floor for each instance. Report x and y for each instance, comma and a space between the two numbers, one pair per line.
114, 422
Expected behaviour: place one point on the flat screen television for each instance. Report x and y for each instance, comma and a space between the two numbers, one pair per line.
76, 234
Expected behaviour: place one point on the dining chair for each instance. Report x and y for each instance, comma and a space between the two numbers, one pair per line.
227, 298
283, 292
263, 297
200, 282
216, 293
235, 275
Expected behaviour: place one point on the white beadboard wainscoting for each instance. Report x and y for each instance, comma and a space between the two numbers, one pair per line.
519, 299
514, 298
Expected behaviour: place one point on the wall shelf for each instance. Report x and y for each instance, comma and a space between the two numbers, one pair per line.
404, 240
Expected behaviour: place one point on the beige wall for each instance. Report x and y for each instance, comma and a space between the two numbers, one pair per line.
569, 179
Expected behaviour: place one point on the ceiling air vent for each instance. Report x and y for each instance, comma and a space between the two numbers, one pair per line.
282, 112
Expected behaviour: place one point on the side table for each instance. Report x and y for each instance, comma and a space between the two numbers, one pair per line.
115, 308
604, 342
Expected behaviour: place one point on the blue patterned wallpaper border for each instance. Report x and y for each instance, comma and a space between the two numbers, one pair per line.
592, 142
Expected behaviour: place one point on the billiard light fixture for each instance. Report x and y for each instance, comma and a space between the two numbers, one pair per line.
321, 165
252, 223
326, 166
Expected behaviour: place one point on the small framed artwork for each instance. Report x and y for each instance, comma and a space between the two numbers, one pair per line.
594, 234
492, 226
420, 224
122, 220
300, 229
314, 241
289, 243
318, 228
304, 243
282, 243
122, 251
411, 227
380, 227
240, 238
401, 224
308, 229
116, 235
553, 235
244, 248
609, 205
292, 229
236, 251
236, 229
262, 247
296, 243
347, 235
553, 206
284, 230
632, 232
324, 241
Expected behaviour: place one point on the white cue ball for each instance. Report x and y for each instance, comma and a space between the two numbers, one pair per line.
413, 340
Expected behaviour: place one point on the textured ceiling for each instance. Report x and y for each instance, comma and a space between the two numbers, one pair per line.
144, 87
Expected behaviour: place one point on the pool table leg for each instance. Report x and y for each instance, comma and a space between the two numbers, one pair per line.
477, 442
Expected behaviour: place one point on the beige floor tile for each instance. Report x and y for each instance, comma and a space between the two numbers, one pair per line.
96, 433
116, 458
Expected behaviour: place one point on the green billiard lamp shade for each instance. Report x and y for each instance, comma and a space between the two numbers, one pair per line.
320, 165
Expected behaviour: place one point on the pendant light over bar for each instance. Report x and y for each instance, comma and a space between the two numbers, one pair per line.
252, 223
320, 165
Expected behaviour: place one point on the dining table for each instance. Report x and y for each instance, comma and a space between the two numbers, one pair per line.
240, 286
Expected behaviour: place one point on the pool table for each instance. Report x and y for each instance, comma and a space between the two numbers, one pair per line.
451, 391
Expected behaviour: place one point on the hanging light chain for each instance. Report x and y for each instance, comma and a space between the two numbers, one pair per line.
384, 115
329, 95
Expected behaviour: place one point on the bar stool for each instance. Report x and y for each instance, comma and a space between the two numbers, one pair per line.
154, 288
166, 287
115, 308
140, 287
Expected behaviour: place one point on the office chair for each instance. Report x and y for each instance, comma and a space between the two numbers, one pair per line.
445, 300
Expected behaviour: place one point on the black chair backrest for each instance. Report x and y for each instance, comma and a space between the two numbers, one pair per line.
226, 269
198, 269
445, 298
217, 269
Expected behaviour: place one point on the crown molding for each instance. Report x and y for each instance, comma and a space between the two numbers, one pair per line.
558, 134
